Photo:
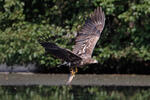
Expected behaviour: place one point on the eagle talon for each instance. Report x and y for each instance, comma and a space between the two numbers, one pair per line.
71, 76
72, 72
76, 69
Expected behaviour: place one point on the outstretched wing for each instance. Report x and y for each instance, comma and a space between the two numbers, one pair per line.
88, 36
60, 53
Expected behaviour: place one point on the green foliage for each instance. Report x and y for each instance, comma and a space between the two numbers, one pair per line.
25, 22
73, 93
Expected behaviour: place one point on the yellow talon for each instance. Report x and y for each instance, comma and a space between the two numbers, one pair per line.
76, 69
73, 71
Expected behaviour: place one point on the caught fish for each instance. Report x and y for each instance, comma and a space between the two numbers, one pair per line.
70, 79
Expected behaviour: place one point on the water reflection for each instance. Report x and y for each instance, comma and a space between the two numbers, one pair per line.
73, 93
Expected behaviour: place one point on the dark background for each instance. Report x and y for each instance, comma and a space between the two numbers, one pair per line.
124, 46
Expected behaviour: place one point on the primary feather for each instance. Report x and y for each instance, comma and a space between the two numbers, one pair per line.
64, 54
85, 42
90, 33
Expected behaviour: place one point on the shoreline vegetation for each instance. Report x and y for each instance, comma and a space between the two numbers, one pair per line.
92, 69
73, 93
123, 48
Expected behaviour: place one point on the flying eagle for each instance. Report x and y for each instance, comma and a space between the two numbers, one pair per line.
85, 42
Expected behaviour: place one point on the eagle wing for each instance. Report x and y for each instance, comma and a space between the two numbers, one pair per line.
60, 53
88, 36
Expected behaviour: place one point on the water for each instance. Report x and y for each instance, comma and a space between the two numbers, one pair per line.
73, 93
84, 87
84, 80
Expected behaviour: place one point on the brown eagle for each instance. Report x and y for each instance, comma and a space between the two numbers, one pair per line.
85, 42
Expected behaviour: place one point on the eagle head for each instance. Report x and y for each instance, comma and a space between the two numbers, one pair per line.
94, 61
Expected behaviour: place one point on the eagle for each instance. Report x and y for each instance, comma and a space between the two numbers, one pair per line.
85, 42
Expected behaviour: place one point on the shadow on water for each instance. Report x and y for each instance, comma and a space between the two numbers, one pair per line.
73, 93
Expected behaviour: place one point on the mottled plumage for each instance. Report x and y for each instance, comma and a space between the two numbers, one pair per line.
85, 42
89, 34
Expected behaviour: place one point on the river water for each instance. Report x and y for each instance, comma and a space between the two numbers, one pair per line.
84, 87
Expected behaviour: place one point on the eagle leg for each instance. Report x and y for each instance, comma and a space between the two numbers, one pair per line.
76, 69
72, 71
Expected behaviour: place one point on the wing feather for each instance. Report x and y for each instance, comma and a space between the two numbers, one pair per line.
64, 54
88, 36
